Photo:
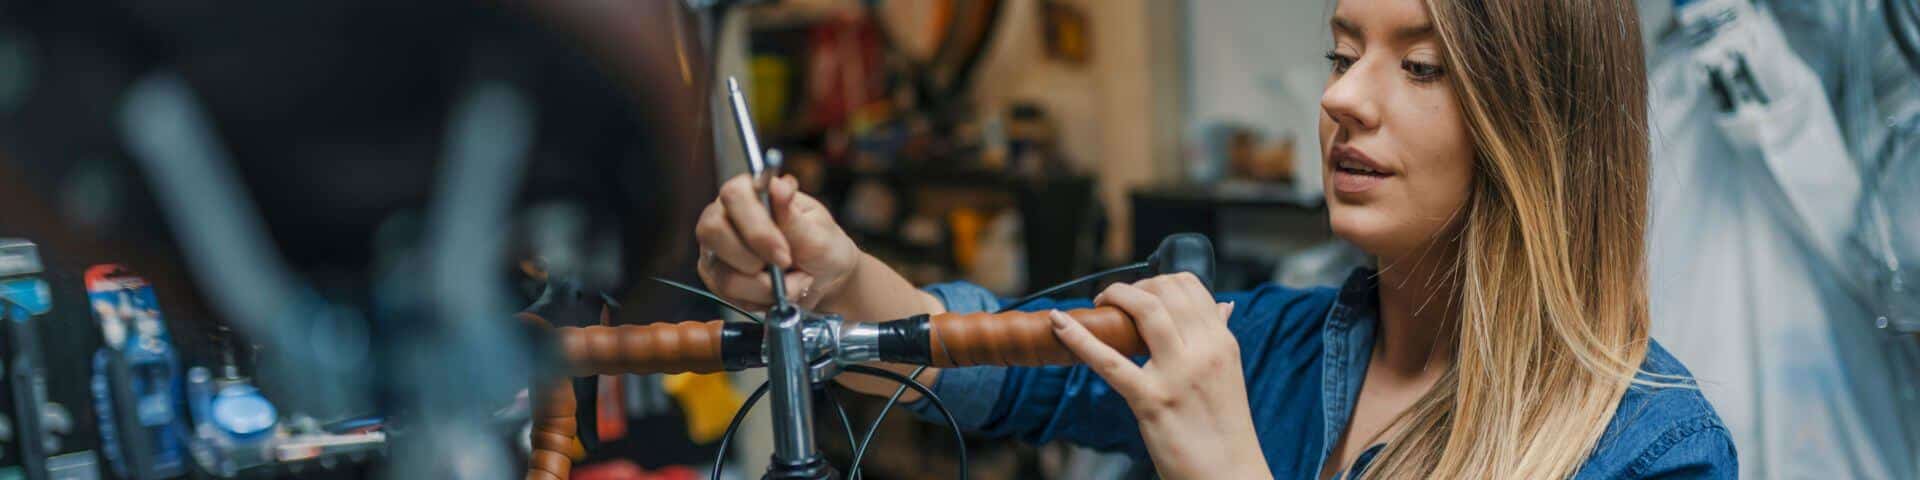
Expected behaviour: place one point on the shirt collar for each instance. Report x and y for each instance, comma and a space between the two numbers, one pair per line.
1347, 344
1361, 292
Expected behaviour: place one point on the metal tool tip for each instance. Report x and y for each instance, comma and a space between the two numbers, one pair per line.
733, 84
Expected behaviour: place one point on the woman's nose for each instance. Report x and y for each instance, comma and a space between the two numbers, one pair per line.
1349, 99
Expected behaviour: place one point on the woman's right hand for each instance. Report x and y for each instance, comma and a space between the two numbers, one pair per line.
825, 272
738, 239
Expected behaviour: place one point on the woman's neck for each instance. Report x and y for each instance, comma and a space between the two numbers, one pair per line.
1418, 313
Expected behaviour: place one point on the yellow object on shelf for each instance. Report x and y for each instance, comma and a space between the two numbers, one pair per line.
769, 92
708, 400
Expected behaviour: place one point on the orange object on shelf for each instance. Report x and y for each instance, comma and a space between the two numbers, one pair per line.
965, 223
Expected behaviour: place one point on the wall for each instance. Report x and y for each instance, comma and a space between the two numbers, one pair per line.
1261, 63
1120, 114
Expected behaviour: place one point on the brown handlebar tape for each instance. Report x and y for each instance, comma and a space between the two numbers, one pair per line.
1023, 338
671, 347
598, 350
554, 434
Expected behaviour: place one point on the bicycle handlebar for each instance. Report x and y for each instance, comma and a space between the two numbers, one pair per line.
1020, 338
654, 348
942, 340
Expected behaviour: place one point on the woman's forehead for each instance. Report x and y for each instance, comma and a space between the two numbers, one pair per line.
1396, 19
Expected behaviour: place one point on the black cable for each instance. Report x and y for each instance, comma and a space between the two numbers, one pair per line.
845, 424
1070, 284
710, 296
860, 451
959, 436
720, 452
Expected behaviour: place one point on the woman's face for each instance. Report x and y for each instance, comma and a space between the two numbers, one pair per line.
1399, 159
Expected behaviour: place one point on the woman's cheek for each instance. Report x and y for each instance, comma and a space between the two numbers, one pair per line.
1445, 171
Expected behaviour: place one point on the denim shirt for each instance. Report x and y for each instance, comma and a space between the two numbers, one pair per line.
1304, 353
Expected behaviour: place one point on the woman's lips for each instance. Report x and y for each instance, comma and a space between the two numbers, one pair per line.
1353, 171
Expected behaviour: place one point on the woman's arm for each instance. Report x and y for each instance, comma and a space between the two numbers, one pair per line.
874, 292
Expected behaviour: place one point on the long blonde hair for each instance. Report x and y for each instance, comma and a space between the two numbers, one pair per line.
1552, 289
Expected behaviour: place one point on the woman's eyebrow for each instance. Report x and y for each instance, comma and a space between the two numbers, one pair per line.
1411, 32
1342, 25
1414, 32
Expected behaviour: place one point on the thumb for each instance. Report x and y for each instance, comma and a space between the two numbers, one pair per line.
1226, 311
781, 192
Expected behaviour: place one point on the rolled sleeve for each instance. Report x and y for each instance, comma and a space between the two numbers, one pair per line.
969, 392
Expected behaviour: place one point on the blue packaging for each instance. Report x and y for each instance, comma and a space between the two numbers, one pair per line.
131, 325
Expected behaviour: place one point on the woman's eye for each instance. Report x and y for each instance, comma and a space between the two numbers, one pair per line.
1340, 62
1424, 72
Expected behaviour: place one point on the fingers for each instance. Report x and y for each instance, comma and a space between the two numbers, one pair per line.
1196, 291
1173, 296
1117, 369
1187, 300
1149, 315
751, 221
814, 235
753, 291
748, 291
803, 206
716, 235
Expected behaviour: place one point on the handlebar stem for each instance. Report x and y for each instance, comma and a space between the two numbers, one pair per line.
856, 342
787, 376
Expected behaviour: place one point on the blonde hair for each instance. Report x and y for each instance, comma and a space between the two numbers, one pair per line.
1552, 290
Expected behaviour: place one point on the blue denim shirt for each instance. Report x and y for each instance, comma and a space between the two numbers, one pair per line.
1305, 354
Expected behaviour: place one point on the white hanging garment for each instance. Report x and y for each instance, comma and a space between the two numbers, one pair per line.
1754, 199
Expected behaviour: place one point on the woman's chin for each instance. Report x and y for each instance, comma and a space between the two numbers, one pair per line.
1372, 231
1382, 234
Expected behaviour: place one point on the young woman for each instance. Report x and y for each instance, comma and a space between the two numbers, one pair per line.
1492, 155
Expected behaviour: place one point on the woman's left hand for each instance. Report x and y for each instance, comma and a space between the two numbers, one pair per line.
1190, 397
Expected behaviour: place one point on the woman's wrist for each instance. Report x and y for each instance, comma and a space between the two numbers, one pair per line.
872, 291
1234, 453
